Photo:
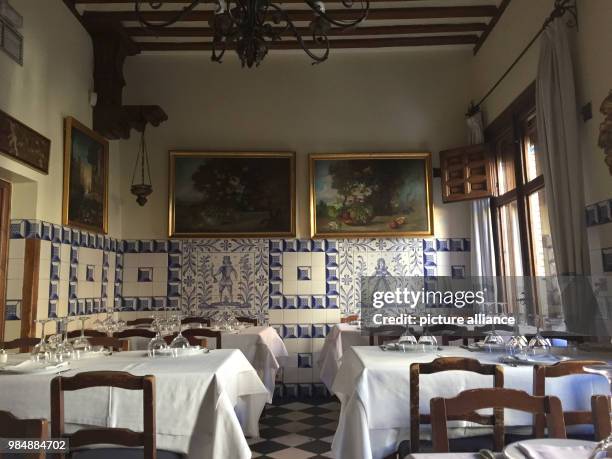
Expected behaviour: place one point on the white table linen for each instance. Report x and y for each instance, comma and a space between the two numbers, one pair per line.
205, 405
262, 346
374, 389
449, 456
532, 451
337, 342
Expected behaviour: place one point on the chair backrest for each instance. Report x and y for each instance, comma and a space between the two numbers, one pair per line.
203, 333
497, 398
193, 340
247, 320
570, 367
110, 342
348, 319
600, 407
141, 321
483, 330
449, 364
25, 344
12, 427
88, 332
449, 333
134, 333
106, 435
196, 320
385, 333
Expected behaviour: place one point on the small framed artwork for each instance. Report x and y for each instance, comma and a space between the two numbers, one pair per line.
370, 195
85, 202
230, 194
24, 144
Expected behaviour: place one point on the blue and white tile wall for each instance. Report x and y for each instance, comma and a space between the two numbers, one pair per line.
302, 287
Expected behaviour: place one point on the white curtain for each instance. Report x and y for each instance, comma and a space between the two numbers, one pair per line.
482, 253
557, 120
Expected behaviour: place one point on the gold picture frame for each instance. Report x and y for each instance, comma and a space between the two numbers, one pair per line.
357, 199
241, 204
85, 198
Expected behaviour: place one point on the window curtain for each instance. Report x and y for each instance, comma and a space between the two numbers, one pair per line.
482, 253
557, 121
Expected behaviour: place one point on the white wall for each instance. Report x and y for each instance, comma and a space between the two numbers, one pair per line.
403, 100
54, 82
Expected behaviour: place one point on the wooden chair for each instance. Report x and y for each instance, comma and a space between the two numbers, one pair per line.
349, 319
106, 435
385, 333
571, 367
193, 340
199, 333
88, 332
247, 320
24, 344
109, 342
196, 320
141, 321
12, 427
469, 401
134, 333
448, 333
448, 364
600, 406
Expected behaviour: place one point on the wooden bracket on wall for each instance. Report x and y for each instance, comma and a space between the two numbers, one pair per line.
112, 46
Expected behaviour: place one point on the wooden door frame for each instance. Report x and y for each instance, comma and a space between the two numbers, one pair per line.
5, 231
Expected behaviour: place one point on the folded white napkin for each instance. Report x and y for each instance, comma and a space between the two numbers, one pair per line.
29, 365
555, 452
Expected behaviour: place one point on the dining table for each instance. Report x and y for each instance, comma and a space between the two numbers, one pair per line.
261, 345
205, 404
373, 386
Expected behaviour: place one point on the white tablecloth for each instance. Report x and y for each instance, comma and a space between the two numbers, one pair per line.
337, 342
262, 346
374, 389
450, 456
205, 405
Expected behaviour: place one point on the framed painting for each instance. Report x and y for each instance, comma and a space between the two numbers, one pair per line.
231, 194
24, 144
85, 202
370, 195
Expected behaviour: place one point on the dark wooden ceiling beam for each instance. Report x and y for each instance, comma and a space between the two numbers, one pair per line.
334, 44
434, 12
304, 31
185, 2
483, 37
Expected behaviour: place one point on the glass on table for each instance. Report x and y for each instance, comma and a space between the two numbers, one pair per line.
179, 342
82, 344
65, 350
427, 341
40, 352
158, 343
407, 341
604, 447
538, 344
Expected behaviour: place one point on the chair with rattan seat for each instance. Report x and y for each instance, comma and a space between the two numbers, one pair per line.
440, 365
600, 408
25, 344
470, 401
13, 427
560, 369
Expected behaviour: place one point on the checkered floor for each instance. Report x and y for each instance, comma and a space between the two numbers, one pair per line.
296, 430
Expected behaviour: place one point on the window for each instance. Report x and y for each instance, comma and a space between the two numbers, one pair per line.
522, 241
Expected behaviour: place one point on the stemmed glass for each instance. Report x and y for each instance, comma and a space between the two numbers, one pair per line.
40, 352
427, 340
64, 350
158, 343
538, 344
407, 340
82, 343
492, 338
179, 341
604, 447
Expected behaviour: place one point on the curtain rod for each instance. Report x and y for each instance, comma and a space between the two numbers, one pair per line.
561, 8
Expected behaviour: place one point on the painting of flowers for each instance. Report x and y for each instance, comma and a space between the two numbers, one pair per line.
371, 195
232, 194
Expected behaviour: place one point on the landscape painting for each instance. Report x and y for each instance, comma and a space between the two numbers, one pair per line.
85, 178
24, 144
370, 195
232, 194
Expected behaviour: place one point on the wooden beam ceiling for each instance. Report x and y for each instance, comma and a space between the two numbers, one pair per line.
411, 24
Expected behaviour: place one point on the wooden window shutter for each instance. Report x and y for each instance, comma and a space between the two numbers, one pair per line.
466, 173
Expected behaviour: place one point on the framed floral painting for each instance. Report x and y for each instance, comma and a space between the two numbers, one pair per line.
85, 178
231, 194
370, 195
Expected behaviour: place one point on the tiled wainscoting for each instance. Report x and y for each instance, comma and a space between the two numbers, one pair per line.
599, 230
302, 287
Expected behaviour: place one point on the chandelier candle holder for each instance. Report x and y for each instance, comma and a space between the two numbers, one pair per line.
252, 27
143, 189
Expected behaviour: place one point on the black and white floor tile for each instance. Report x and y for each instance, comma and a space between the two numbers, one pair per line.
297, 430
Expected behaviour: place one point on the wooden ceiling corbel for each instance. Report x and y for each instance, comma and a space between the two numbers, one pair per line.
112, 45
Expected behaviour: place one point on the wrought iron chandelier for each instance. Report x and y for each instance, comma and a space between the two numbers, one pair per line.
250, 27
143, 189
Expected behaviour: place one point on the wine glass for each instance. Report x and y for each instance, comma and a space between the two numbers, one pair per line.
40, 352
492, 338
538, 344
427, 340
65, 350
604, 447
407, 340
82, 343
179, 341
158, 343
